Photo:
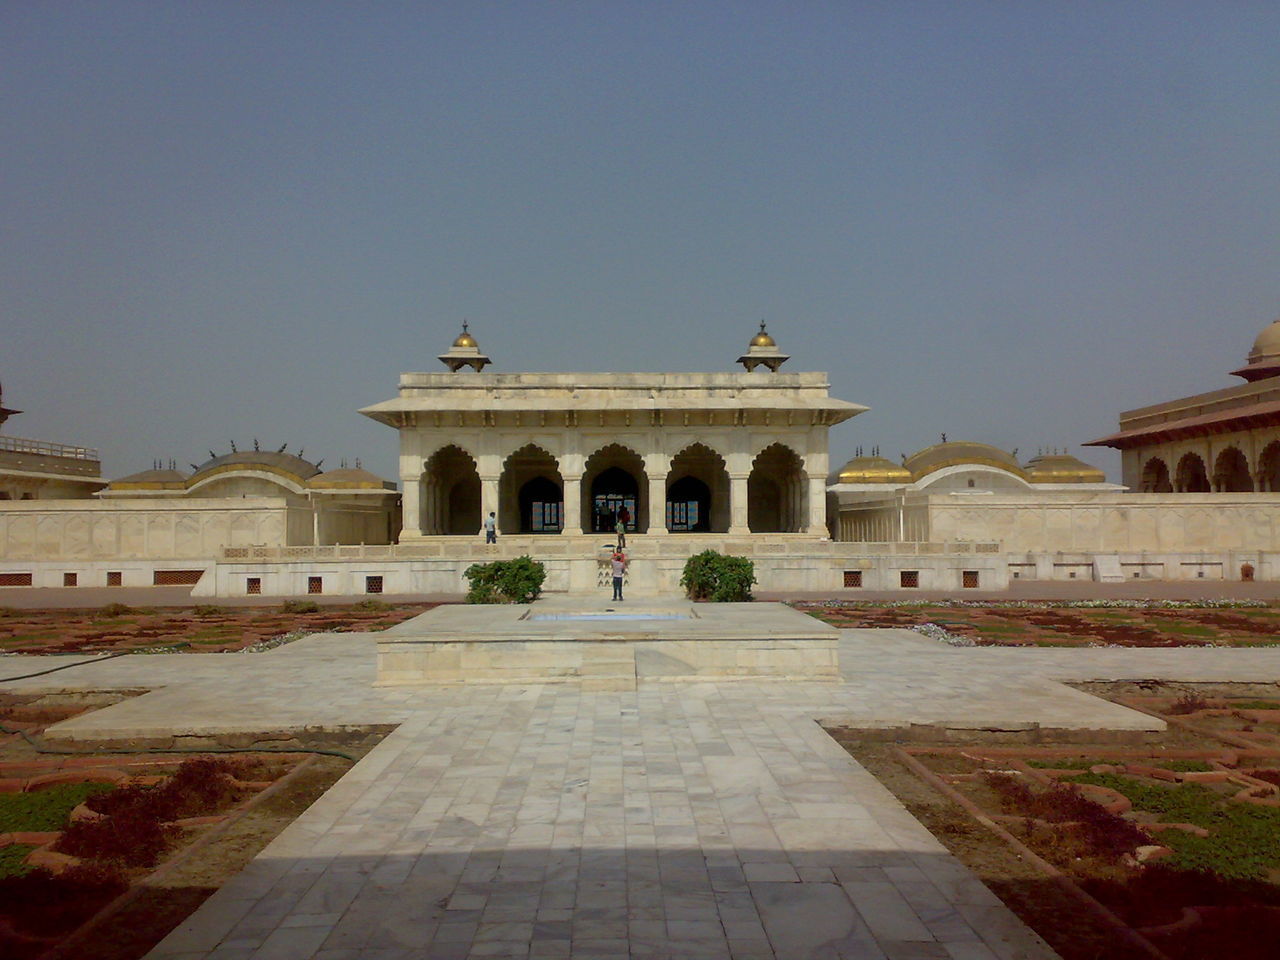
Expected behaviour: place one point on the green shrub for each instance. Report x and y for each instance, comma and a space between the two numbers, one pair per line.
299, 606
207, 610
718, 578
115, 610
371, 604
505, 581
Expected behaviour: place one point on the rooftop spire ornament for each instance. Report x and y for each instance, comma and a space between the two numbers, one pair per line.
763, 352
465, 352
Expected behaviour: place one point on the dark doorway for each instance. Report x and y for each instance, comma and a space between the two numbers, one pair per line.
541, 506
614, 495
689, 506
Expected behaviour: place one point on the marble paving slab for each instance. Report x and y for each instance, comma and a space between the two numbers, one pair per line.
704, 819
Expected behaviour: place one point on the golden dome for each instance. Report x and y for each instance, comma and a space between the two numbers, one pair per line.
762, 339
465, 339
1062, 468
873, 469
957, 452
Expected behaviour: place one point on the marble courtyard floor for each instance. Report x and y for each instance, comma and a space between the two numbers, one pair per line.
705, 819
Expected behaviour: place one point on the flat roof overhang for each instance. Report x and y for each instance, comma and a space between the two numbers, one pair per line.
1226, 421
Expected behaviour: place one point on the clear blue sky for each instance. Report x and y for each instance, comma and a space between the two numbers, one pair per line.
1003, 221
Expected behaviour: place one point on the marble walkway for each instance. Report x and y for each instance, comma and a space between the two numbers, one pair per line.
708, 820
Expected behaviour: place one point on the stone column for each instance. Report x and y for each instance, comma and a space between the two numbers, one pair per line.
817, 520
411, 508
572, 506
656, 469
488, 498
738, 505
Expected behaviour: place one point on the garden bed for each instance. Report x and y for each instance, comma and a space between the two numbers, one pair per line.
1087, 623
1169, 849
204, 628
102, 854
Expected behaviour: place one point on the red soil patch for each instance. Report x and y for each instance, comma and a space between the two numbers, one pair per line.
68, 631
1061, 625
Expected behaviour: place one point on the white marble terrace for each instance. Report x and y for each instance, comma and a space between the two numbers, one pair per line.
710, 819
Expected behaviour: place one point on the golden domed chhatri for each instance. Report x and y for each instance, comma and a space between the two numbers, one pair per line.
1062, 468
763, 351
465, 352
873, 469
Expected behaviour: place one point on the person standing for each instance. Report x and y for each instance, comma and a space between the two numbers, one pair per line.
490, 528
621, 530
619, 562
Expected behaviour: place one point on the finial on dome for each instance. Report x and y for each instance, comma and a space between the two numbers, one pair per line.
465, 352
763, 351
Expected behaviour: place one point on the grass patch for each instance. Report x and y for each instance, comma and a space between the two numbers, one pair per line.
1084, 763
13, 860
46, 809
1243, 841
1063, 763
1187, 629
218, 630
1183, 766
36, 636
1254, 705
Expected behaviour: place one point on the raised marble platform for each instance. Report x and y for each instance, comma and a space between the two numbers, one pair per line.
607, 645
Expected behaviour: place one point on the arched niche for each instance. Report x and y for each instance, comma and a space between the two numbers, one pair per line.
1191, 476
697, 492
1269, 468
1231, 472
776, 491
530, 492
614, 484
1155, 477
450, 503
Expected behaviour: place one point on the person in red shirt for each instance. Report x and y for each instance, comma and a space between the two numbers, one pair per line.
619, 564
